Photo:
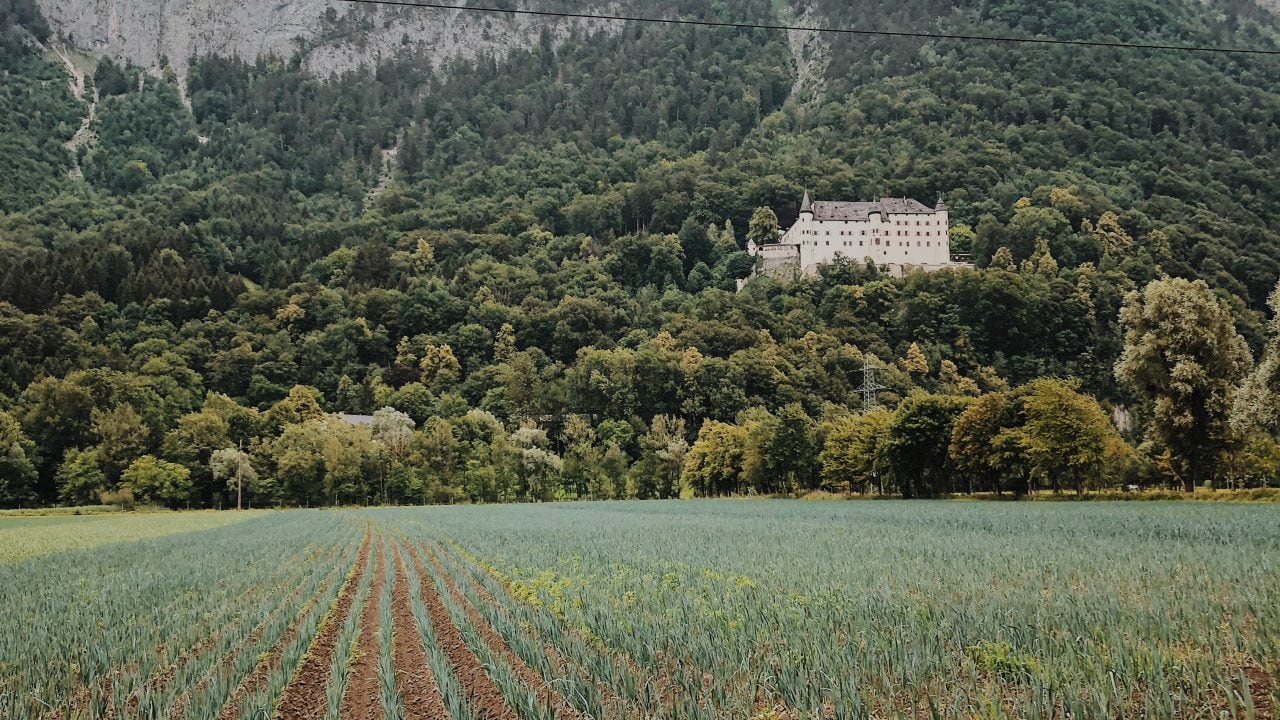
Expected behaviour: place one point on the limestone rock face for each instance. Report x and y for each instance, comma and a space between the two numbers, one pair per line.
333, 36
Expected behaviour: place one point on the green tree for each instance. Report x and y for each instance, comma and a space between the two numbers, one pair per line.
153, 480
663, 451
763, 227
853, 453
437, 455
122, 437
582, 476
440, 368
80, 480
192, 443
914, 361
1064, 433
1183, 355
392, 436
234, 469
1257, 404
919, 438
713, 465
987, 443
17, 464
299, 406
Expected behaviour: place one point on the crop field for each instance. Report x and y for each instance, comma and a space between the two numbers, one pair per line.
760, 610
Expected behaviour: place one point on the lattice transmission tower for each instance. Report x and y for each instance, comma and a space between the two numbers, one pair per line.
871, 387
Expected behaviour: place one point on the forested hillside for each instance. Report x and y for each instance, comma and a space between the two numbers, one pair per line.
533, 260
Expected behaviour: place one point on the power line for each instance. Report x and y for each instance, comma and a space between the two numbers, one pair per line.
825, 30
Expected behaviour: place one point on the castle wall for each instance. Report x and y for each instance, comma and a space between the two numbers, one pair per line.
889, 239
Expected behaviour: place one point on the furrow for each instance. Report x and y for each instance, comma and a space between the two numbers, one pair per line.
615, 705
486, 700
361, 699
304, 696
530, 677
417, 684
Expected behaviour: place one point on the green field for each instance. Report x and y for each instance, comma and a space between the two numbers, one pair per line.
704, 609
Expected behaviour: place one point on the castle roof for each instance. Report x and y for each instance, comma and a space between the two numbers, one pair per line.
826, 210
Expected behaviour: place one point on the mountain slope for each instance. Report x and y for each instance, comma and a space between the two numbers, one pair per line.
562, 227
332, 36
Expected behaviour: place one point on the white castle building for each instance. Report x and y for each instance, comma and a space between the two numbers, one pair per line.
897, 234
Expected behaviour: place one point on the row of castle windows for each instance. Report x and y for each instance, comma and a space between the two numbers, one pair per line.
919, 223
849, 243
901, 233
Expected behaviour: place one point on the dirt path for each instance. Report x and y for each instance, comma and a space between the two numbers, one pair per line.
362, 698
76, 84
385, 173
499, 647
304, 696
414, 679
484, 696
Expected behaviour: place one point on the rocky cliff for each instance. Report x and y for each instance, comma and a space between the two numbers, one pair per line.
333, 36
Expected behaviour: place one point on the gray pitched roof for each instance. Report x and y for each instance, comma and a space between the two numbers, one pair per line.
826, 210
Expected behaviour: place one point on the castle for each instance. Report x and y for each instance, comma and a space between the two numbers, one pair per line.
896, 234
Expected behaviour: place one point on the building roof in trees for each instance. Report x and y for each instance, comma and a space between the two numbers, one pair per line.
846, 211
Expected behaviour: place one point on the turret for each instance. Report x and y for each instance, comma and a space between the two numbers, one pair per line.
806, 207
942, 206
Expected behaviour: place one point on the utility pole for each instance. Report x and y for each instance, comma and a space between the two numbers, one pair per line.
870, 387
240, 477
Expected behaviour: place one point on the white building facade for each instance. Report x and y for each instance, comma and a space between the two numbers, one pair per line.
897, 234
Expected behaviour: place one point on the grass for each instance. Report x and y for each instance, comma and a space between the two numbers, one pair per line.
26, 537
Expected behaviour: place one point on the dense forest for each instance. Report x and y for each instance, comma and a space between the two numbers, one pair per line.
539, 300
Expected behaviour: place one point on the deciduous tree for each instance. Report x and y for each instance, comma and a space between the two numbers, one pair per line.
1183, 355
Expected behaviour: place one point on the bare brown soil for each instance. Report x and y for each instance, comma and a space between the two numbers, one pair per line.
304, 696
362, 698
258, 676
615, 706
499, 647
1262, 689
162, 677
485, 699
414, 679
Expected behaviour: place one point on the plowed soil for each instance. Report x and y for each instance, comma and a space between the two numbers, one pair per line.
485, 699
179, 707
615, 706
304, 697
258, 676
362, 698
499, 647
414, 679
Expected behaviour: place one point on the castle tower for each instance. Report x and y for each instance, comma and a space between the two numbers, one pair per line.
806, 207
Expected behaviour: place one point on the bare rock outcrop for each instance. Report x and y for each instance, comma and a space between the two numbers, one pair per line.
333, 36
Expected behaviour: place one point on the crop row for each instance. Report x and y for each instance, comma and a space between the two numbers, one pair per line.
750, 610
876, 611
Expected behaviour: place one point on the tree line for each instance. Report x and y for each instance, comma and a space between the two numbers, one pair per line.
113, 436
